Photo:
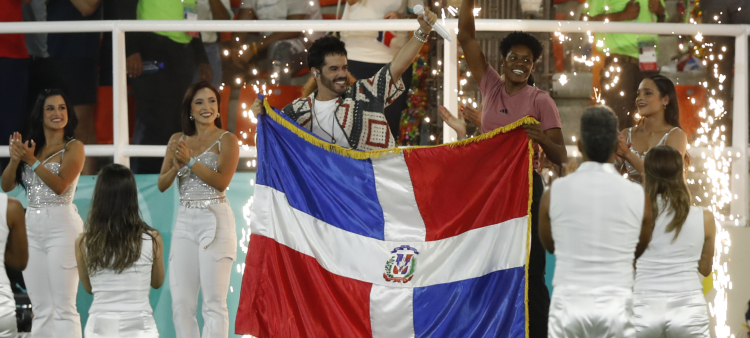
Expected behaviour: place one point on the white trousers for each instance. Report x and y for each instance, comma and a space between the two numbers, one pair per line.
121, 325
591, 313
51, 276
670, 315
204, 245
8, 325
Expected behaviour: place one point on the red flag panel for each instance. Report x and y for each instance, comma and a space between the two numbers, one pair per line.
452, 185
287, 294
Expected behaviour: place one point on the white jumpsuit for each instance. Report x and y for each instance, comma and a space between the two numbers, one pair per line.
204, 245
52, 226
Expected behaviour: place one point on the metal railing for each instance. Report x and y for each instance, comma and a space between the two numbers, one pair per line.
121, 150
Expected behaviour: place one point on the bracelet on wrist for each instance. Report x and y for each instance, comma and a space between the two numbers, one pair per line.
418, 38
192, 161
422, 33
182, 171
35, 165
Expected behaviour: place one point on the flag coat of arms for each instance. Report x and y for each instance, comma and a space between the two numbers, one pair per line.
414, 242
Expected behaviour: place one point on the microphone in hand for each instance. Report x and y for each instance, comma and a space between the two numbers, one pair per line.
419, 9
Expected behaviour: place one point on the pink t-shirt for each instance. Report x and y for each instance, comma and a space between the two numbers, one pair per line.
501, 109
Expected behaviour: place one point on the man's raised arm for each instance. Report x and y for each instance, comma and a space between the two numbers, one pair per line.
405, 56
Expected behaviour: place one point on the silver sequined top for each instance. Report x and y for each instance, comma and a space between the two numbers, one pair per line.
194, 193
633, 174
40, 195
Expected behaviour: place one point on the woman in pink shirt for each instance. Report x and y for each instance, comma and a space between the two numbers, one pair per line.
507, 100
504, 102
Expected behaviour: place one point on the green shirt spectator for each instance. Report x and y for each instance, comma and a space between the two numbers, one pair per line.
624, 10
167, 10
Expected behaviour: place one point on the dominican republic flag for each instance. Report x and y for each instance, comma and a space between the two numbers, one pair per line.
385, 37
414, 242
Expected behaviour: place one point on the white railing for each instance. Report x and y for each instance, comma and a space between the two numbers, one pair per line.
121, 150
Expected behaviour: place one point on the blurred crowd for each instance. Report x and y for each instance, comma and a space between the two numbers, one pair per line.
161, 65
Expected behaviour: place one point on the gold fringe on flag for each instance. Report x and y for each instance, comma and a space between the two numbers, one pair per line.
528, 236
364, 155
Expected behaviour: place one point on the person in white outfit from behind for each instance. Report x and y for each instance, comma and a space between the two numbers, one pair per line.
668, 296
593, 220
119, 260
14, 251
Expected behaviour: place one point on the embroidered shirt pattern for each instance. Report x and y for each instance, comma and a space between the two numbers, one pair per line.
359, 112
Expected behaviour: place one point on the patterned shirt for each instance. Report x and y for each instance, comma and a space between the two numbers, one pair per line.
359, 111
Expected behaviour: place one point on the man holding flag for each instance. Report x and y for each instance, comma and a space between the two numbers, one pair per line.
387, 243
351, 114
372, 241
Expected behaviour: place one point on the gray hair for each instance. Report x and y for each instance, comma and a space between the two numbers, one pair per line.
599, 133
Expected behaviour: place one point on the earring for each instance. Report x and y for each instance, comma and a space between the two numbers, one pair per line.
218, 114
192, 118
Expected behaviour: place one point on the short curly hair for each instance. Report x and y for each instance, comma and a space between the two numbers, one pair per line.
522, 39
327, 45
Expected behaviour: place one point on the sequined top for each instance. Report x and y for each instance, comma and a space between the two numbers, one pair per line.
633, 174
39, 194
194, 193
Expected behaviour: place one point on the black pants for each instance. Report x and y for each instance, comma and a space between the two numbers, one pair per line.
159, 95
538, 292
365, 70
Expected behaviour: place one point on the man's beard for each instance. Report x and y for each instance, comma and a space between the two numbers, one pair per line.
332, 87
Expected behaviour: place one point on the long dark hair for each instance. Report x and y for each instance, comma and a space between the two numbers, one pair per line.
672, 110
666, 88
114, 228
188, 125
664, 178
35, 131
